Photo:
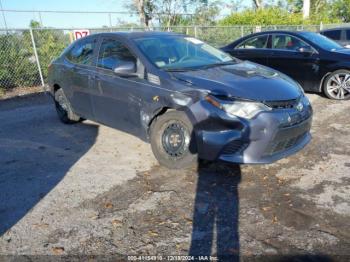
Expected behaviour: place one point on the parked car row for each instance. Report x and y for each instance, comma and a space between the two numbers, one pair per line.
192, 101
317, 63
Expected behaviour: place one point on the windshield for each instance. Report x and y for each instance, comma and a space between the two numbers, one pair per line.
321, 41
180, 52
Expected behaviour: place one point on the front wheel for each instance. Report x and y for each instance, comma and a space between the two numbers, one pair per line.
337, 85
64, 109
172, 140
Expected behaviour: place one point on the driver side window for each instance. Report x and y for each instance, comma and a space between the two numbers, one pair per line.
288, 42
112, 53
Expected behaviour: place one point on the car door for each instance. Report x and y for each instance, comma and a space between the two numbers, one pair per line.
78, 80
254, 49
117, 100
295, 58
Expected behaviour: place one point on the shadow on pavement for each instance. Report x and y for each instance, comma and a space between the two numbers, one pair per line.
36, 152
216, 211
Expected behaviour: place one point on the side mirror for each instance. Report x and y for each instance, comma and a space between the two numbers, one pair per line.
306, 50
125, 68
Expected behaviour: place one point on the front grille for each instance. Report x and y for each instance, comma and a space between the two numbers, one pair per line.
233, 147
288, 137
282, 104
284, 144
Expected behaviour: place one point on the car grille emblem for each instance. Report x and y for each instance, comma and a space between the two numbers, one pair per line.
300, 107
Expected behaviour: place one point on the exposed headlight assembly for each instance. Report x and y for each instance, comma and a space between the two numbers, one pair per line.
244, 109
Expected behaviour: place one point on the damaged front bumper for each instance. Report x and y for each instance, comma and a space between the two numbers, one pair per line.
266, 138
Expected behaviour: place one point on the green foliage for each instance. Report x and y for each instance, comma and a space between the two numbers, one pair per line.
18, 66
341, 9
50, 44
274, 16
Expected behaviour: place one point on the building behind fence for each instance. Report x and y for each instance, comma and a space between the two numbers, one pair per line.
26, 53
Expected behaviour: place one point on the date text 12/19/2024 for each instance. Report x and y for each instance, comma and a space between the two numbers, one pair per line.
172, 258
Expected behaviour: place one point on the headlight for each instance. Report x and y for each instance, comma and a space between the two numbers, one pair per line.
245, 109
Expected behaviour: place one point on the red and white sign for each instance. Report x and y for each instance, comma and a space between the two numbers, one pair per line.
81, 33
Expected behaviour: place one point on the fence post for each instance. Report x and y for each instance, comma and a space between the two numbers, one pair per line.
242, 31
36, 57
40, 19
195, 31
110, 19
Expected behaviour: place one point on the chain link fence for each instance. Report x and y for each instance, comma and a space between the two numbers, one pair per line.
26, 53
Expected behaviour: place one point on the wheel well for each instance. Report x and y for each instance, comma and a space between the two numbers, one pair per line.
322, 81
159, 112
56, 87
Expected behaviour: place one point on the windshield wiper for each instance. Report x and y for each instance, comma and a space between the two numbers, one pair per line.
180, 69
184, 69
233, 62
175, 69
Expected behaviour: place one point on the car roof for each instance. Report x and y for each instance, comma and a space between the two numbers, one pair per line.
295, 33
280, 32
336, 28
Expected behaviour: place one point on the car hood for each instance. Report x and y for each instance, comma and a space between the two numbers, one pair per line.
244, 80
343, 51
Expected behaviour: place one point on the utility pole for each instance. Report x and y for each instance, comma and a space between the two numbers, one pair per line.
3, 15
306, 9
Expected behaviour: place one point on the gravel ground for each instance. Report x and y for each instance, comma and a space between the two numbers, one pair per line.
86, 189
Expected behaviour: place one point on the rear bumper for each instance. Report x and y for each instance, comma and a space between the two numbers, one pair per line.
265, 139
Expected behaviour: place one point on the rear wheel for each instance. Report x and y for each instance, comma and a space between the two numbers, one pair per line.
337, 85
64, 109
172, 140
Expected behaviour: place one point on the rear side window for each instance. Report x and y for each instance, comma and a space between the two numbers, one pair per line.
288, 42
333, 34
82, 53
254, 42
347, 34
112, 52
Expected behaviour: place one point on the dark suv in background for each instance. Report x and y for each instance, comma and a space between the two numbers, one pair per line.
340, 35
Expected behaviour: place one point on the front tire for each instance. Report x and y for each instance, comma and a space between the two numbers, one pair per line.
172, 140
337, 85
64, 109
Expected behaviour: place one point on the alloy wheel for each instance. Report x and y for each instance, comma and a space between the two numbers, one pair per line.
338, 86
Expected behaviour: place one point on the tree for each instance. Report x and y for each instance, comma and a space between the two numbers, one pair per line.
167, 12
306, 9
207, 14
341, 9
274, 16
258, 4
145, 10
